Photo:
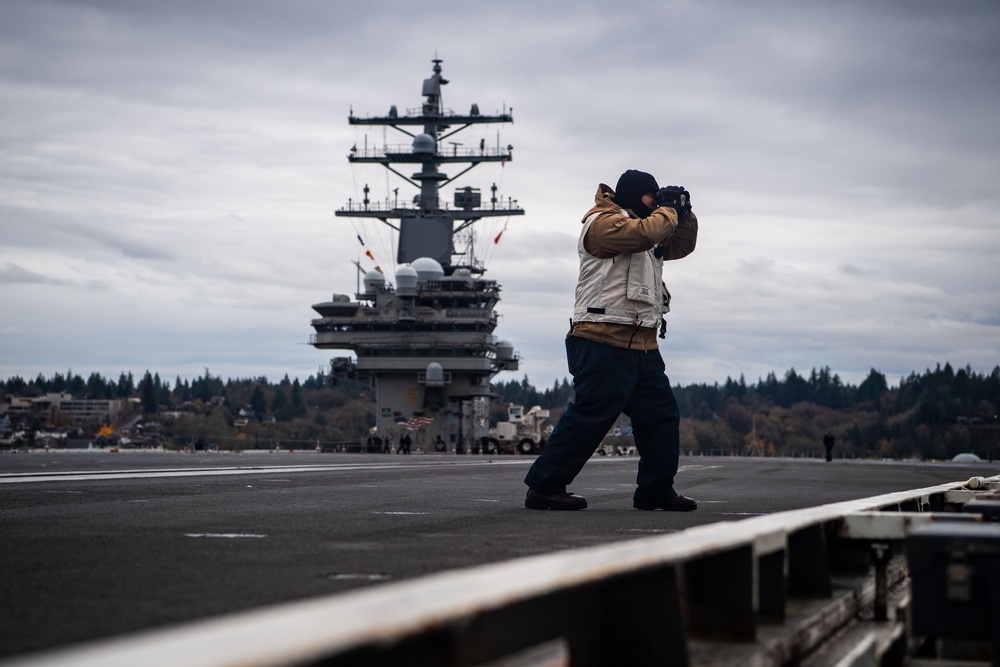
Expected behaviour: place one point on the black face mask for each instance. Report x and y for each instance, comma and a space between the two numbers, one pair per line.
631, 187
640, 209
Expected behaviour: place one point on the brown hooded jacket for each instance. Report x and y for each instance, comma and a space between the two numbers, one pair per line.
615, 232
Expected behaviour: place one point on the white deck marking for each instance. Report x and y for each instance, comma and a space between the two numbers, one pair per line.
356, 576
97, 475
649, 530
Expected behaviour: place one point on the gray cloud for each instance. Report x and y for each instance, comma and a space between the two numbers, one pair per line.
12, 274
173, 168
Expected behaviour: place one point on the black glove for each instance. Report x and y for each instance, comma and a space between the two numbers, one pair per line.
676, 197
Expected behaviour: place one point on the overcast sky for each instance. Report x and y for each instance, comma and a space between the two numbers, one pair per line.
169, 173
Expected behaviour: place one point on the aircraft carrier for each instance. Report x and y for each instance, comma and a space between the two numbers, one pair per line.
424, 337
130, 558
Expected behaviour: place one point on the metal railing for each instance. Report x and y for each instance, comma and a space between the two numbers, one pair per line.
763, 590
406, 151
397, 209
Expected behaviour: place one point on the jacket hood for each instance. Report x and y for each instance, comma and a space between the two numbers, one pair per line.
604, 202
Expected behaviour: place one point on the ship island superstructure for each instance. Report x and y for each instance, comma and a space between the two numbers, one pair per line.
425, 341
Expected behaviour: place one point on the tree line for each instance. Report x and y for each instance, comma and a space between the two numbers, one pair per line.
932, 415
524, 393
231, 413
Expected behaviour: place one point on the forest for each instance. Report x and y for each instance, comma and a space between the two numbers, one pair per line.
932, 415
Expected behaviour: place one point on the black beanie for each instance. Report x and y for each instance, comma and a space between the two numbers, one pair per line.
632, 185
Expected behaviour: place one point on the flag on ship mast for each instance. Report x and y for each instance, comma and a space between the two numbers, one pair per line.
497, 239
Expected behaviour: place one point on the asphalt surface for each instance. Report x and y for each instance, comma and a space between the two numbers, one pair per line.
100, 544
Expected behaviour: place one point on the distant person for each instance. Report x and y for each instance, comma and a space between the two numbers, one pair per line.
439, 445
404, 444
611, 346
828, 441
377, 441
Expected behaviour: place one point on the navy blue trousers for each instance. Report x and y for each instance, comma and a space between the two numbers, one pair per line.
609, 381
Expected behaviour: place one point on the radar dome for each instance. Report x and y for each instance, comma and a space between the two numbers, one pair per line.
462, 276
374, 280
423, 143
427, 269
435, 373
505, 350
406, 278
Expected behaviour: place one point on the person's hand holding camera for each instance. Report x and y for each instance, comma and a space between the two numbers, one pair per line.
676, 197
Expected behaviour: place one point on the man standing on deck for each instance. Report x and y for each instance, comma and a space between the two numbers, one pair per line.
612, 349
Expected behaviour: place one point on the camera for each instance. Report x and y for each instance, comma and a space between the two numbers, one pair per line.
676, 197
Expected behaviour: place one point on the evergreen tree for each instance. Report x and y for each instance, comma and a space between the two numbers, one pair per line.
74, 384
278, 400
796, 389
16, 386
283, 409
125, 387
200, 388
148, 394
41, 385
97, 388
258, 403
298, 407
179, 389
165, 395
871, 388
733, 389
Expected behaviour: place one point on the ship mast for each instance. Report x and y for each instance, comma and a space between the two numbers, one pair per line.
426, 229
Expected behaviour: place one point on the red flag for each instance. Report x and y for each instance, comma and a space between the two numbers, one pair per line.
370, 255
497, 239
